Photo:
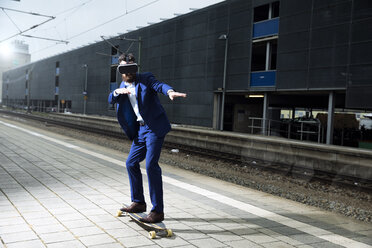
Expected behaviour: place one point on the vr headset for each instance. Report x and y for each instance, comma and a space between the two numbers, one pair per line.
127, 68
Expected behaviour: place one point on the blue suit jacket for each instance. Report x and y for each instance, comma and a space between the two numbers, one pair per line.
152, 112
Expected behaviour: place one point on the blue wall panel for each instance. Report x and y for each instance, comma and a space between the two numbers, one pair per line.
263, 78
266, 28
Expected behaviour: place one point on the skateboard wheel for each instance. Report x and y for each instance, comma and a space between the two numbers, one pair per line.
119, 213
169, 233
152, 234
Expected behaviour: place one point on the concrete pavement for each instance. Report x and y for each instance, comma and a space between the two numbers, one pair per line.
56, 191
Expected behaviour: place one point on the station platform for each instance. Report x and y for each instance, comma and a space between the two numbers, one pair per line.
56, 191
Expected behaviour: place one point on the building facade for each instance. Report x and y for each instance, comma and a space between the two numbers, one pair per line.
236, 60
13, 55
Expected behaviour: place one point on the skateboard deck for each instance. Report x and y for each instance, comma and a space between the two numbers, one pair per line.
155, 229
127, 68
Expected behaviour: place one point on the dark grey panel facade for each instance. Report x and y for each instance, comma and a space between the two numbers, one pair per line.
359, 76
313, 40
359, 97
325, 45
322, 45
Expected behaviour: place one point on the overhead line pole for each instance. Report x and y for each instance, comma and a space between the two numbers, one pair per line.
43, 38
25, 12
139, 40
112, 45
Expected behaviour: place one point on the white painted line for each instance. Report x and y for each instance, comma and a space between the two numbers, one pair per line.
39, 135
303, 227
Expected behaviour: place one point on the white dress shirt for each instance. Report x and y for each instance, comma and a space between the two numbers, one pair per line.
133, 99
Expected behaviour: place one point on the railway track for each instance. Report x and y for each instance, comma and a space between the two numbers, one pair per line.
109, 127
323, 177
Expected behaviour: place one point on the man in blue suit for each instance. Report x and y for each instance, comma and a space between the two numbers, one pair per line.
143, 119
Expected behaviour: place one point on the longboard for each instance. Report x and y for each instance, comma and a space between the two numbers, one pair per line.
155, 229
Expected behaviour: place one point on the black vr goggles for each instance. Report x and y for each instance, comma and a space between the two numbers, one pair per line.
127, 68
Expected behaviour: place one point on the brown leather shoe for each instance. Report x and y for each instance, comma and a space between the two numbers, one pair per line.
153, 217
135, 207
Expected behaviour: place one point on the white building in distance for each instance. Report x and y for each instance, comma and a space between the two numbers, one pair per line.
12, 55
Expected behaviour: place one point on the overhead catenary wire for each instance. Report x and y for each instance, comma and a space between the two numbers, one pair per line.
34, 26
99, 25
114, 19
75, 8
112, 45
11, 20
130, 46
21, 33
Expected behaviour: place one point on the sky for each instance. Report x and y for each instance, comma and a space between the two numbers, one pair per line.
80, 22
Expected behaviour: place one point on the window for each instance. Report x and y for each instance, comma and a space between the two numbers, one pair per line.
114, 50
258, 56
264, 55
113, 74
273, 54
26, 83
261, 13
265, 37
275, 10
265, 12
56, 82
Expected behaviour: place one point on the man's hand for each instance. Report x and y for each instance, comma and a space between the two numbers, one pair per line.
174, 94
119, 91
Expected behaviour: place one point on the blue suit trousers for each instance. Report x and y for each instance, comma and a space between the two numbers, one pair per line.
146, 145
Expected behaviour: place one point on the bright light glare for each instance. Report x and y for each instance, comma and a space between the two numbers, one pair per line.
256, 96
5, 50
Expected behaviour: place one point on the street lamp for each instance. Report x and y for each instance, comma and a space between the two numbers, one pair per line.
226, 38
85, 88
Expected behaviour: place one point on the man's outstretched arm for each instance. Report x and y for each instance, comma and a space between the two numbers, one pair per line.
173, 94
